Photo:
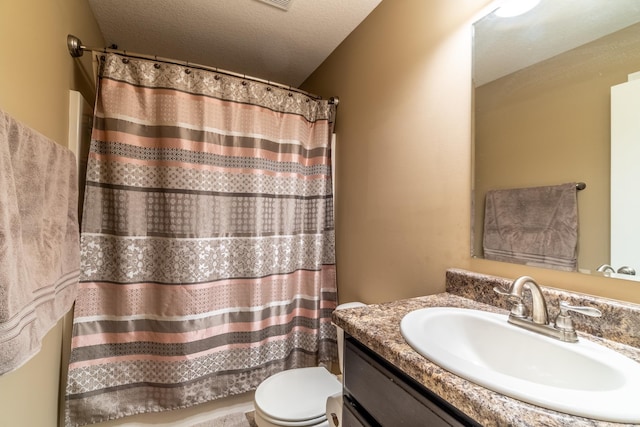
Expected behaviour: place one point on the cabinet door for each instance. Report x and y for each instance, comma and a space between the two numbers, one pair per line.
351, 417
390, 397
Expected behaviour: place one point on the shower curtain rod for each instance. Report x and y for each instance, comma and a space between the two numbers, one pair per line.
76, 50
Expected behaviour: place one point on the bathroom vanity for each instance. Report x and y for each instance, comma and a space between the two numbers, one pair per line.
377, 393
387, 383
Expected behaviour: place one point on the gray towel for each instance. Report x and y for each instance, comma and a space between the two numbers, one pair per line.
39, 249
536, 226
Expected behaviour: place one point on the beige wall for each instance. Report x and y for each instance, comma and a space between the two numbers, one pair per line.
403, 168
36, 73
403, 78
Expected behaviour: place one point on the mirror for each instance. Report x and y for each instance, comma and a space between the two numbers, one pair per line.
542, 109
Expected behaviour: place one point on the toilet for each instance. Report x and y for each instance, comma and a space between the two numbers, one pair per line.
299, 397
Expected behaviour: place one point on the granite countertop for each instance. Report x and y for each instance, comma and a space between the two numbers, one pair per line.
378, 327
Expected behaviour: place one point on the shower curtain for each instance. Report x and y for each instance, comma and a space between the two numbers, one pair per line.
207, 246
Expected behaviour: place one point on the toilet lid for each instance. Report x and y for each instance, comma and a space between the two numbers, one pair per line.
297, 394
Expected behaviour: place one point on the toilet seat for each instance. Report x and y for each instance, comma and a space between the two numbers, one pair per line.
296, 397
315, 422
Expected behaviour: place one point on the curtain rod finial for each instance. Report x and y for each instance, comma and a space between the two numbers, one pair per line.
75, 46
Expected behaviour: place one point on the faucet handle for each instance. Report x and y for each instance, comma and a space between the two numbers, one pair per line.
625, 269
518, 309
500, 291
565, 323
587, 311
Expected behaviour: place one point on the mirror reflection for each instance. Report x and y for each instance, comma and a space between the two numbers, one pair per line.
544, 116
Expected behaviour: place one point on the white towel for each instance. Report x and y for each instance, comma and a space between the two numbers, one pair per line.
39, 249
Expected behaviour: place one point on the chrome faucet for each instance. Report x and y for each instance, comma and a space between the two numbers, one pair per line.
625, 269
606, 268
539, 313
561, 329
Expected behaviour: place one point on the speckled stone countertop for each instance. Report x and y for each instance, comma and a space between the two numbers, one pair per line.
378, 327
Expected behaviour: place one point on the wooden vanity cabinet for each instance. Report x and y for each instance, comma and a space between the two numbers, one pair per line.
377, 393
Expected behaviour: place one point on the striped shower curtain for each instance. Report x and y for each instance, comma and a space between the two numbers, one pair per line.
207, 240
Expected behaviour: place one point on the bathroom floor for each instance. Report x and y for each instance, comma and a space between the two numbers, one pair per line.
233, 411
236, 419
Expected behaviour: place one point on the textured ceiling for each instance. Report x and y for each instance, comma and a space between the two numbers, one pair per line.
505, 45
244, 36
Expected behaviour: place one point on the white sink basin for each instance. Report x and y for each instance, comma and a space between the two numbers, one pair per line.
584, 378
